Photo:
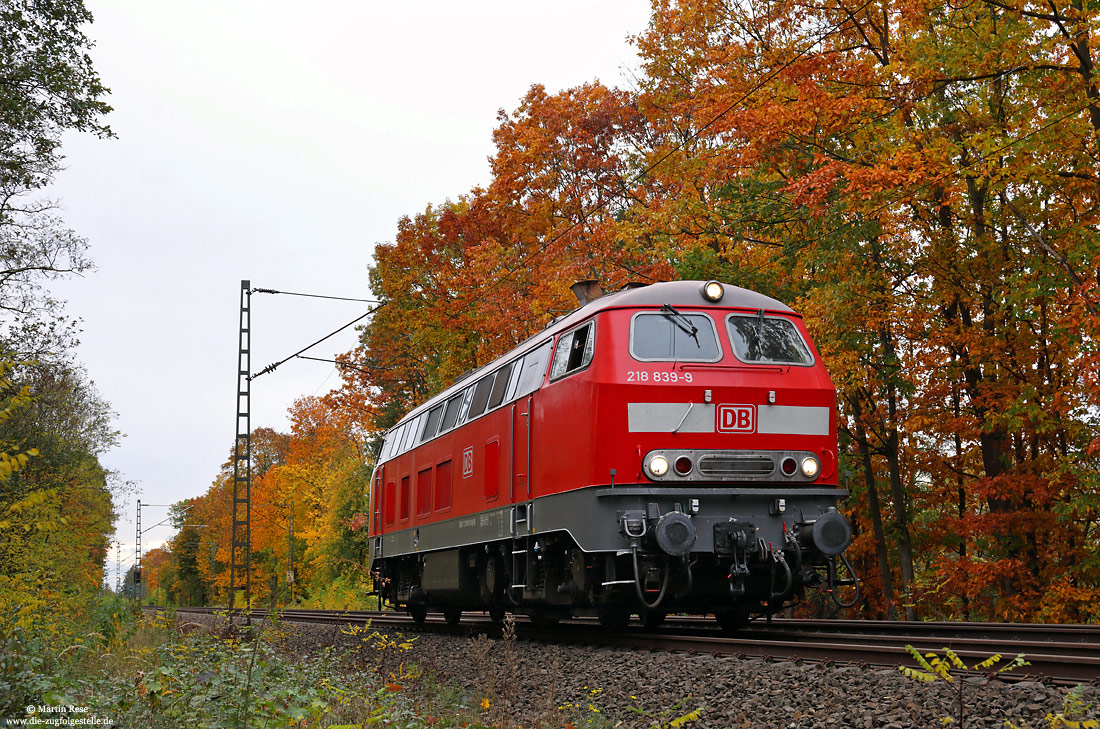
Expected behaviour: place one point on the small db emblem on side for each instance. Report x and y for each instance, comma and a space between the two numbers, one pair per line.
468, 462
736, 418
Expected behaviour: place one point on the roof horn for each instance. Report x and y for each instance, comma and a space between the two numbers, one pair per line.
586, 291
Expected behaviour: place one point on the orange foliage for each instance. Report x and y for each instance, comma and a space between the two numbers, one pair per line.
315, 474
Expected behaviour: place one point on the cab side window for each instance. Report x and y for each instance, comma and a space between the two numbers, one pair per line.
574, 351
411, 431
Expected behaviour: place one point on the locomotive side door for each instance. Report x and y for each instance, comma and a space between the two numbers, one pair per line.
532, 374
374, 528
521, 449
376, 500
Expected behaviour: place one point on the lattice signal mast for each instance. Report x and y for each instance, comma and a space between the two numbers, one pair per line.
240, 555
137, 556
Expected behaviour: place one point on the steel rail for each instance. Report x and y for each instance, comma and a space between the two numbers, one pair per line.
1057, 653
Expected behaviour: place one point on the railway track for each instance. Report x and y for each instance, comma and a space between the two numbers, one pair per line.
1065, 654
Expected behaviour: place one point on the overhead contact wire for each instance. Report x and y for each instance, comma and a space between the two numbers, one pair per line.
335, 362
275, 365
312, 296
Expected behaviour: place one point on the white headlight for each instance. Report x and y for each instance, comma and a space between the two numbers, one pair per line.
658, 466
712, 291
810, 467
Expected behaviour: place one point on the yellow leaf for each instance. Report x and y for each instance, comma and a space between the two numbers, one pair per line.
955, 660
917, 675
686, 718
989, 661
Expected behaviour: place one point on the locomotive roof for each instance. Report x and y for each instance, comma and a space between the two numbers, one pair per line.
687, 294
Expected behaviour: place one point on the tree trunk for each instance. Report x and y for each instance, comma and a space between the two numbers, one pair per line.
891, 447
876, 509
960, 485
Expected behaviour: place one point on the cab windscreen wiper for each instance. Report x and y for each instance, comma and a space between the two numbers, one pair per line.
682, 322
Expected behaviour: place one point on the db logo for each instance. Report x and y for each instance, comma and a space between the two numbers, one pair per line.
468, 462
736, 418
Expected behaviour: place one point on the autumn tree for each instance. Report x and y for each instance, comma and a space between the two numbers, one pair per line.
309, 495
48, 86
56, 509
62, 489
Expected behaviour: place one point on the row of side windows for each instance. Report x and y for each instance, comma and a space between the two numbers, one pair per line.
508, 382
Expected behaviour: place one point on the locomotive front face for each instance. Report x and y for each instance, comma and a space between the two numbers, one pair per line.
718, 425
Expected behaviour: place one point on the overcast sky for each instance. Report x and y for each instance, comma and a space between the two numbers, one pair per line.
278, 142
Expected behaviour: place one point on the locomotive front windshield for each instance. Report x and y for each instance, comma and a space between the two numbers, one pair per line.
665, 337
767, 340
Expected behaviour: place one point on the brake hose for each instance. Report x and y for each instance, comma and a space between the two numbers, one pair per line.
790, 578
832, 581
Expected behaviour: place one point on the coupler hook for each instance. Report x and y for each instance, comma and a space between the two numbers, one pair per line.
638, 588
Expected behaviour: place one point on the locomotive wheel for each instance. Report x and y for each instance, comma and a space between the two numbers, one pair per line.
452, 616
496, 614
419, 613
492, 578
614, 619
732, 619
653, 618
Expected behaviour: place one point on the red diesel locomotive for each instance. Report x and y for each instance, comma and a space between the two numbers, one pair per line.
669, 447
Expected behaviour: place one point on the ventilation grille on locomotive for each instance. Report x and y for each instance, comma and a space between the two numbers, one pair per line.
731, 466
